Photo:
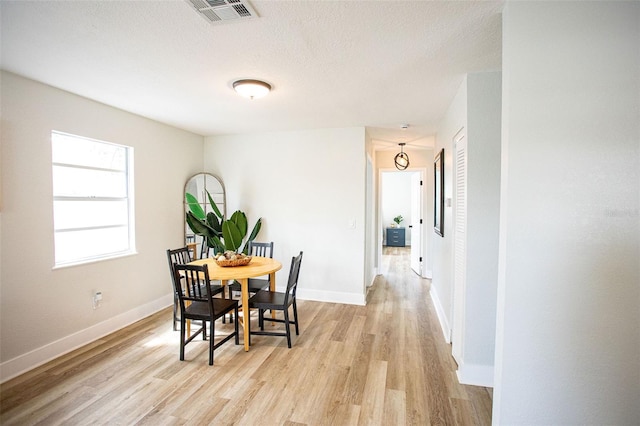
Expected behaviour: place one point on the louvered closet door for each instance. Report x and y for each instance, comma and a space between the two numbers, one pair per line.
460, 245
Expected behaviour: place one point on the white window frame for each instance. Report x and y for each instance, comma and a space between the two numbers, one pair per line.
128, 197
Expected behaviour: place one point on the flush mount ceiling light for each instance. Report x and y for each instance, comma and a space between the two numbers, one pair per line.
402, 159
252, 89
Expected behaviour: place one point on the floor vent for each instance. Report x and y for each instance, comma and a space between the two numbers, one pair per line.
218, 11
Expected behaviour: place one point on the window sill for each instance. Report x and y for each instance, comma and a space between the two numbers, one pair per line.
96, 260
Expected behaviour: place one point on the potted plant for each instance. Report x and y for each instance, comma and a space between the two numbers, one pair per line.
397, 220
220, 233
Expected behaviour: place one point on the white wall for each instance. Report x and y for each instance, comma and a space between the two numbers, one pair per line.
442, 282
46, 312
476, 110
309, 188
370, 246
568, 335
484, 102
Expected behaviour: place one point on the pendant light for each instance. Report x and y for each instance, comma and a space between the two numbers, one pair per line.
402, 159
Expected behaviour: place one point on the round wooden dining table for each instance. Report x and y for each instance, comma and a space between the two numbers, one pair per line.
258, 266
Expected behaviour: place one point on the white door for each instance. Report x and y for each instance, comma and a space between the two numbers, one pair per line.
416, 222
459, 246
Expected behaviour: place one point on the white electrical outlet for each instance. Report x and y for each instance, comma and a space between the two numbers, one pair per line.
97, 299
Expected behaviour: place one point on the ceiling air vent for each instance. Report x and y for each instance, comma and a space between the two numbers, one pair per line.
218, 11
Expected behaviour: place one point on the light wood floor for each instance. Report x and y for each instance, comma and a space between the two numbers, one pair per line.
381, 364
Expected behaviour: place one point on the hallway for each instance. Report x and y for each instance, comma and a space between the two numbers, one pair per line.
405, 297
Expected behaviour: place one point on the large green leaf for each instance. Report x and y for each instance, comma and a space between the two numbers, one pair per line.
216, 243
194, 206
240, 220
231, 234
256, 229
199, 227
214, 206
254, 234
214, 223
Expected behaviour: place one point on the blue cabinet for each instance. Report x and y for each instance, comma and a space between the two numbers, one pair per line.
395, 237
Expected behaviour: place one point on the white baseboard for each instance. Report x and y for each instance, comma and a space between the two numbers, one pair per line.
332, 297
428, 274
442, 318
373, 279
23, 363
476, 375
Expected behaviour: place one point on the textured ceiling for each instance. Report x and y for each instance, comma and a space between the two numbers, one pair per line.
378, 64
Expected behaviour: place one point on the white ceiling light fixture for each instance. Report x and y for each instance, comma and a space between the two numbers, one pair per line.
252, 89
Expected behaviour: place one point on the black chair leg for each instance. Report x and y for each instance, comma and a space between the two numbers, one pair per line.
183, 330
175, 309
261, 319
236, 328
211, 343
295, 316
230, 314
287, 327
223, 295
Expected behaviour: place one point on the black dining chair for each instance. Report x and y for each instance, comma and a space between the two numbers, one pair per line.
255, 284
197, 303
276, 301
182, 256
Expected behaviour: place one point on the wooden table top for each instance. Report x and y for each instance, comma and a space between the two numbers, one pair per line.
257, 267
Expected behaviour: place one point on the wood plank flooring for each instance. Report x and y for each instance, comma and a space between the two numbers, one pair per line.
381, 364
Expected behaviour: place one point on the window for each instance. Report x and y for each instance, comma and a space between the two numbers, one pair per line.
92, 199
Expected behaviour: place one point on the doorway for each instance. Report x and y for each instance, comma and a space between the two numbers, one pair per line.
401, 200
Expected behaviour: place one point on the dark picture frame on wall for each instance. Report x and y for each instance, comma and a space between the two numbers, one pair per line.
438, 193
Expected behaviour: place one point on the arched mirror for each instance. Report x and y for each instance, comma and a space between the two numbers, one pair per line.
198, 185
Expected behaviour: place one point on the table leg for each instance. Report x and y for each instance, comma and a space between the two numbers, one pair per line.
246, 312
272, 287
